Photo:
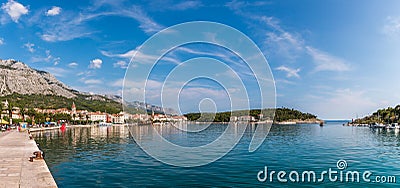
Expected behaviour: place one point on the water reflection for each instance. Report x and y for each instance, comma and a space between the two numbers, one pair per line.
61, 146
109, 157
175, 132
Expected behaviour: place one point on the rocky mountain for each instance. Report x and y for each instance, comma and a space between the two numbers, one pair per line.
140, 106
17, 77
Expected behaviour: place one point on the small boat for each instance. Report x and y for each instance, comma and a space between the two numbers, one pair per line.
63, 127
379, 125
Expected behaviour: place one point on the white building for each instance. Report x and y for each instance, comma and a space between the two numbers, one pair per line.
98, 116
246, 118
233, 118
140, 117
118, 118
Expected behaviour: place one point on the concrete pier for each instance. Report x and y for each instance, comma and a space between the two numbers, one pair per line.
15, 168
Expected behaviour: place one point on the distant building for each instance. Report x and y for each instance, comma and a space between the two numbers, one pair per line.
98, 116
73, 108
246, 118
168, 118
233, 118
62, 111
16, 115
75, 114
179, 118
138, 117
5, 103
118, 118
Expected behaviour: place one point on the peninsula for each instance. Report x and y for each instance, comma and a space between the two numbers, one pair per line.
382, 116
282, 116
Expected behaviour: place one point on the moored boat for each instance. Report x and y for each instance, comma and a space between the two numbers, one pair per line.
104, 124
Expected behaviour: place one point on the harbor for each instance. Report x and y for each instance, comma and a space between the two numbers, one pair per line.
19, 167
107, 156
389, 126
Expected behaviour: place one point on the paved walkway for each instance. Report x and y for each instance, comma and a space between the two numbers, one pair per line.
15, 168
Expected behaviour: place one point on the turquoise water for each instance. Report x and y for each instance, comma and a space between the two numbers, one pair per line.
108, 157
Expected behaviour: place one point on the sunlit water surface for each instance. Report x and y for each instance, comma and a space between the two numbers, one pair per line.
109, 157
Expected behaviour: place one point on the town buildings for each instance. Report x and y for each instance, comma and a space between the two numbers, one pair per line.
86, 116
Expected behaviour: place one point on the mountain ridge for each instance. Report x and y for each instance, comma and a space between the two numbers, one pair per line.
17, 77
19, 81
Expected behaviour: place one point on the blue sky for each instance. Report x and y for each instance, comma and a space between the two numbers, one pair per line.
337, 59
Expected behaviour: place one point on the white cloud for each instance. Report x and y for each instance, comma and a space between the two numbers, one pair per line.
53, 11
238, 5
65, 27
95, 64
117, 83
392, 26
30, 46
280, 41
121, 64
289, 44
127, 55
1, 41
186, 5
289, 71
326, 62
277, 40
93, 81
56, 60
46, 58
175, 6
280, 82
14, 9
56, 71
343, 103
145, 23
140, 57
73, 65
70, 25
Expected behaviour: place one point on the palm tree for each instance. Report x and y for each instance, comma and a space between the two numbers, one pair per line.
1, 111
23, 112
80, 118
51, 115
73, 117
87, 119
10, 107
31, 113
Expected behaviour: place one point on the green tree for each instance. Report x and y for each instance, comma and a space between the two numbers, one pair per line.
10, 107
87, 119
31, 113
22, 111
80, 118
1, 110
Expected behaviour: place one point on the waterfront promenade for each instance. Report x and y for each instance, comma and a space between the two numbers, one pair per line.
15, 168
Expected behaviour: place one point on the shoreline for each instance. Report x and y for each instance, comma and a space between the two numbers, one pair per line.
38, 129
299, 122
290, 122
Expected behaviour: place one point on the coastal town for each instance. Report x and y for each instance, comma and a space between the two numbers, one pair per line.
37, 116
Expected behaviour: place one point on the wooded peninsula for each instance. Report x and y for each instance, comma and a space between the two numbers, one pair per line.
281, 115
